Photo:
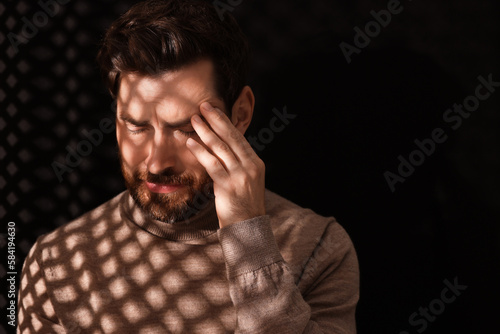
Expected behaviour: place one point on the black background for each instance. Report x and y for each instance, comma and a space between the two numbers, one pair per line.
352, 122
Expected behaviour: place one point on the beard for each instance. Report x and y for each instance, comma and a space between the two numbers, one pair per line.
172, 207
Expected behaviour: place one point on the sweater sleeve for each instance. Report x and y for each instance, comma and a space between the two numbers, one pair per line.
36, 312
265, 293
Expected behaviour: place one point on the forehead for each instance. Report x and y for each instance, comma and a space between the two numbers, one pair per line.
192, 84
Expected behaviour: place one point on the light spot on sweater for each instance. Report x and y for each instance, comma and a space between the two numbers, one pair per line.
144, 239
133, 312
51, 253
158, 258
173, 321
141, 274
119, 288
104, 247
173, 281
109, 267
130, 252
37, 325
58, 272
108, 324
95, 214
66, 294
228, 317
77, 260
71, 242
213, 292
40, 287
84, 317
197, 266
85, 281
152, 329
21, 315
97, 301
74, 225
48, 308
213, 253
208, 323
24, 282
156, 297
191, 305
122, 233
34, 269
99, 230
28, 300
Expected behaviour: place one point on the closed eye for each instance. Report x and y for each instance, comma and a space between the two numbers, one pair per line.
135, 132
187, 133
134, 129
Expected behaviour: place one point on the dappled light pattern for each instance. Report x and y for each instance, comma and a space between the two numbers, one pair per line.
115, 270
103, 272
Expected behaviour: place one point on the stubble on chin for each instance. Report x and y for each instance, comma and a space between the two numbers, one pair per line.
169, 208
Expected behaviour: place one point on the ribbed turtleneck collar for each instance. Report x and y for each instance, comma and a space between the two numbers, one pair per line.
201, 224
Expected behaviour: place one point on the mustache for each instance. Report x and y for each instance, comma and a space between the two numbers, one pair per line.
167, 177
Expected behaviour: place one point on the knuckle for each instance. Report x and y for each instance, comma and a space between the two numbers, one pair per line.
246, 178
249, 150
218, 115
253, 173
235, 135
215, 164
222, 147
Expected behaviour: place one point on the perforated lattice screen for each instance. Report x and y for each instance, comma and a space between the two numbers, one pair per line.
49, 96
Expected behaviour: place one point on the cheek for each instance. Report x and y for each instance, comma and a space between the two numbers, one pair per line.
189, 160
133, 150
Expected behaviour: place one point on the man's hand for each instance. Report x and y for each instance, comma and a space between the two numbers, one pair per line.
237, 171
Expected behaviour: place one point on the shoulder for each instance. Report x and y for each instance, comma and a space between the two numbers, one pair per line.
287, 216
302, 234
83, 230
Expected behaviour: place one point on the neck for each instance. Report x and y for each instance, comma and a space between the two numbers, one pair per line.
198, 224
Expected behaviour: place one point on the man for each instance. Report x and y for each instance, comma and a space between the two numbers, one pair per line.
196, 244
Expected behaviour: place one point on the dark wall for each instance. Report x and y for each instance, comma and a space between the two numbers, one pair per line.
353, 120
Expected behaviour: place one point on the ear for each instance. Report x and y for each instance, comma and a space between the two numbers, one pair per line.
242, 110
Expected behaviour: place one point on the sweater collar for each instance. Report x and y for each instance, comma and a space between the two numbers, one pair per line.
197, 225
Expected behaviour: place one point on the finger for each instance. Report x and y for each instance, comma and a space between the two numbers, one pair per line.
214, 143
211, 163
225, 130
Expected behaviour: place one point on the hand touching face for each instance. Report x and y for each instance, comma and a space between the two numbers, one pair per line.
236, 170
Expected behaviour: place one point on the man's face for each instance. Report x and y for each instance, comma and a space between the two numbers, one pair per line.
152, 126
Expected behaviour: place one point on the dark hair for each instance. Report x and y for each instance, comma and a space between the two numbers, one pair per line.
155, 36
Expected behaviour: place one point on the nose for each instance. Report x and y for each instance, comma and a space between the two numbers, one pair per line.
163, 153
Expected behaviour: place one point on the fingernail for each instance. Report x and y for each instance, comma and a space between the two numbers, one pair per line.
207, 106
197, 119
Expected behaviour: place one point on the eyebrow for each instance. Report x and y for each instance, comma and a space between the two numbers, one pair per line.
178, 124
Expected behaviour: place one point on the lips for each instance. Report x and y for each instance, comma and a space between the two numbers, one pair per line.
163, 188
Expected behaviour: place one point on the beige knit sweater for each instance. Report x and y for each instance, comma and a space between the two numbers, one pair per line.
114, 270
